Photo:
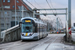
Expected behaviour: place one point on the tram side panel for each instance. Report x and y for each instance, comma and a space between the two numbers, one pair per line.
42, 30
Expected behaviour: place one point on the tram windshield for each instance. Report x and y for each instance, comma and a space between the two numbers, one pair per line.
27, 28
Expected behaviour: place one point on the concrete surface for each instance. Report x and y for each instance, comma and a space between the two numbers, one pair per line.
0, 40
55, 46
51, 42
73, 37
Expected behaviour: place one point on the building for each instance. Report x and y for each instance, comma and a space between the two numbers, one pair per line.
7, 12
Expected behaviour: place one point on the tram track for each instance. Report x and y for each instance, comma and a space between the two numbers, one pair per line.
30, 45
45, 42
50, 43
10, 45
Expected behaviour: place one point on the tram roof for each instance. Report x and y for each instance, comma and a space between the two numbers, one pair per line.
34, 19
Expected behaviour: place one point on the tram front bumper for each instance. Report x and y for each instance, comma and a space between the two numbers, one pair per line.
29, 38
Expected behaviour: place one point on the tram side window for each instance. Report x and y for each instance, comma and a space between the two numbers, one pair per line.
44, 28
41, 29
35, 28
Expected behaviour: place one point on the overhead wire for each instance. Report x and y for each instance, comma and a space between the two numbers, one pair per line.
37, 3
33, 5
30, 3
39, 6
52, 4
60, 20
53, 7
49, 5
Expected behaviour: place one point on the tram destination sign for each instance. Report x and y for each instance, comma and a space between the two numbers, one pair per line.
27, 20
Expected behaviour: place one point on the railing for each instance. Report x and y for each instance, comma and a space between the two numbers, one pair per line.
11, 34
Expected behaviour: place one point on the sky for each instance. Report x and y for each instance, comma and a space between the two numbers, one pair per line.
40, 4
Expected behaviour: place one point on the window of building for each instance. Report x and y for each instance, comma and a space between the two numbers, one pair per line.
2, 19
2, 29
7, 7
8, 13
13, 6
17, 1
19, 7
3, 0
7, 25
2, 24
5, 12
13, 18
7, 19
8, 1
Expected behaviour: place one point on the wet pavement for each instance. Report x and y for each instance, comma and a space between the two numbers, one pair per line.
51, 42
73, 37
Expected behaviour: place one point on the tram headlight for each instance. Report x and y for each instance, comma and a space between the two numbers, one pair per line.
22, 34
30, 34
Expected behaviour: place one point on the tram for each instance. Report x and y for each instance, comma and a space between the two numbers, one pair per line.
32, 28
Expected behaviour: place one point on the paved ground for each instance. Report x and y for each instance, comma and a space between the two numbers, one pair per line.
51, 42
55, 43
0, 39
73, 36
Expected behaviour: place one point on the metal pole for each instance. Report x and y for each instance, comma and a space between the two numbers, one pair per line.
0, 27
69, 20
4, 17
50, 13
22, 11
57, 24
0, 24
15, 12
66, 26
53, 9
33, 14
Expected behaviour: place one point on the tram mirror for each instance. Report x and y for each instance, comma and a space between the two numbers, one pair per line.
20, 23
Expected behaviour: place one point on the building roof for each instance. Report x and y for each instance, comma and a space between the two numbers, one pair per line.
11, 4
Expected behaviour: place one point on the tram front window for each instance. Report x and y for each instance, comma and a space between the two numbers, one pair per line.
27, 28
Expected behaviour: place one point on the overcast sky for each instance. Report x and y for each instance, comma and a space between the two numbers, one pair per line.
53, 4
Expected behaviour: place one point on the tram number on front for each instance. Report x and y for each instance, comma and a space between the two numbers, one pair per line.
26, 34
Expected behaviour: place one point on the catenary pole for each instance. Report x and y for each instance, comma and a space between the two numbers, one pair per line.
22, 11
0, 24
3, 15
69, 20
66, 25
57, 24
15, 12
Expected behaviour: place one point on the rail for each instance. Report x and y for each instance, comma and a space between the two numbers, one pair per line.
11, 34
